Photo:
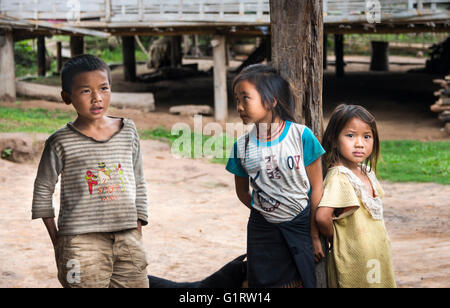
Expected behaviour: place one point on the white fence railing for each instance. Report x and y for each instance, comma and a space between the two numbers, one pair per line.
212, 11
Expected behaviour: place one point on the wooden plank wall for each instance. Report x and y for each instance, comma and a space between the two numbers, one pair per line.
211, 11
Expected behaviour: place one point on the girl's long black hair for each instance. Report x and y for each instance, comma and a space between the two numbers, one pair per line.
272, 87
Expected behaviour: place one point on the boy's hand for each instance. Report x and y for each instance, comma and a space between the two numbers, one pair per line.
51, 228
139, 227
318, 251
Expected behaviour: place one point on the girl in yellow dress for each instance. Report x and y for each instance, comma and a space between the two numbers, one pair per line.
350, 213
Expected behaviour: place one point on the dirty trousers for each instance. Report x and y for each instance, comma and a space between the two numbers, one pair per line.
102, 260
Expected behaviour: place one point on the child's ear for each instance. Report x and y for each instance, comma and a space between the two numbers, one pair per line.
66, 97
274, 103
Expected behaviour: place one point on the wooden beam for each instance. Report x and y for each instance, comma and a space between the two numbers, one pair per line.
129, 59
7, 76
220, 78
297, 53
41, 55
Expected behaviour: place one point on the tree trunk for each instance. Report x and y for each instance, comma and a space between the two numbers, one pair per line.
297, 53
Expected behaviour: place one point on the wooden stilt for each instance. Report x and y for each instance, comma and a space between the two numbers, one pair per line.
220, 78
339, 52
325, 48
41, 55
58, 57
379, 60
7, 76
129, 59
76, 45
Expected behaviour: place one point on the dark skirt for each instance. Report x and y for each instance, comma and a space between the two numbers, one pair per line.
280, 254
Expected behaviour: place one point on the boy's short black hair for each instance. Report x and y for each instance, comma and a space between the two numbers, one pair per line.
80, 64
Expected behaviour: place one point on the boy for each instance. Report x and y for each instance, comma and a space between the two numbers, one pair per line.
103, 192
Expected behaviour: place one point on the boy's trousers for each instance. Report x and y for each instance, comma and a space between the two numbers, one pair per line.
102, 260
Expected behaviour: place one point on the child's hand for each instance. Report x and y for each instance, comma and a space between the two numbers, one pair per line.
318, 251
139, 227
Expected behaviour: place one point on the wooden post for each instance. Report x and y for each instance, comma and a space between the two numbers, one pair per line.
7, 75
379, 60
176, 56
186, 44
220, 78
76, 45
325, 47
41, 55
297, 53
268, 42
129, 60
196, 47
339, 53
58, 57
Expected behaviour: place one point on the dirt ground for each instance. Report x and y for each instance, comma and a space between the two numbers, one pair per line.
196, 223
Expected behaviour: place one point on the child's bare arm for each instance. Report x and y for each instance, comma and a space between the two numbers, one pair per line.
242, 190
51, 228
324, 219
314, 172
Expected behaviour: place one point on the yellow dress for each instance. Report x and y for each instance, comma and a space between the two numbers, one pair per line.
360, 256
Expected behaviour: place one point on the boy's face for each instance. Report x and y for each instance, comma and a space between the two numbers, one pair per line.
91, 94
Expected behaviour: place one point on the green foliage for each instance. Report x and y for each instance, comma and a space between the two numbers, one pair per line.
6, 153
25, 58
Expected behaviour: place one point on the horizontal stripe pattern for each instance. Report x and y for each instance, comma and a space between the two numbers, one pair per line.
102, 182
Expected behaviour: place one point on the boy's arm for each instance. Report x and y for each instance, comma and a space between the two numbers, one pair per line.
49, 169
314, 172
141, 187
51, 228
242, 190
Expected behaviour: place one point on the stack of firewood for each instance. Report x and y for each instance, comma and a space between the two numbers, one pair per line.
442, 105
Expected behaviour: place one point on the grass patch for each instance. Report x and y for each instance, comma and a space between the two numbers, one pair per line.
37, 120
401, 161
415, 161
192, 145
